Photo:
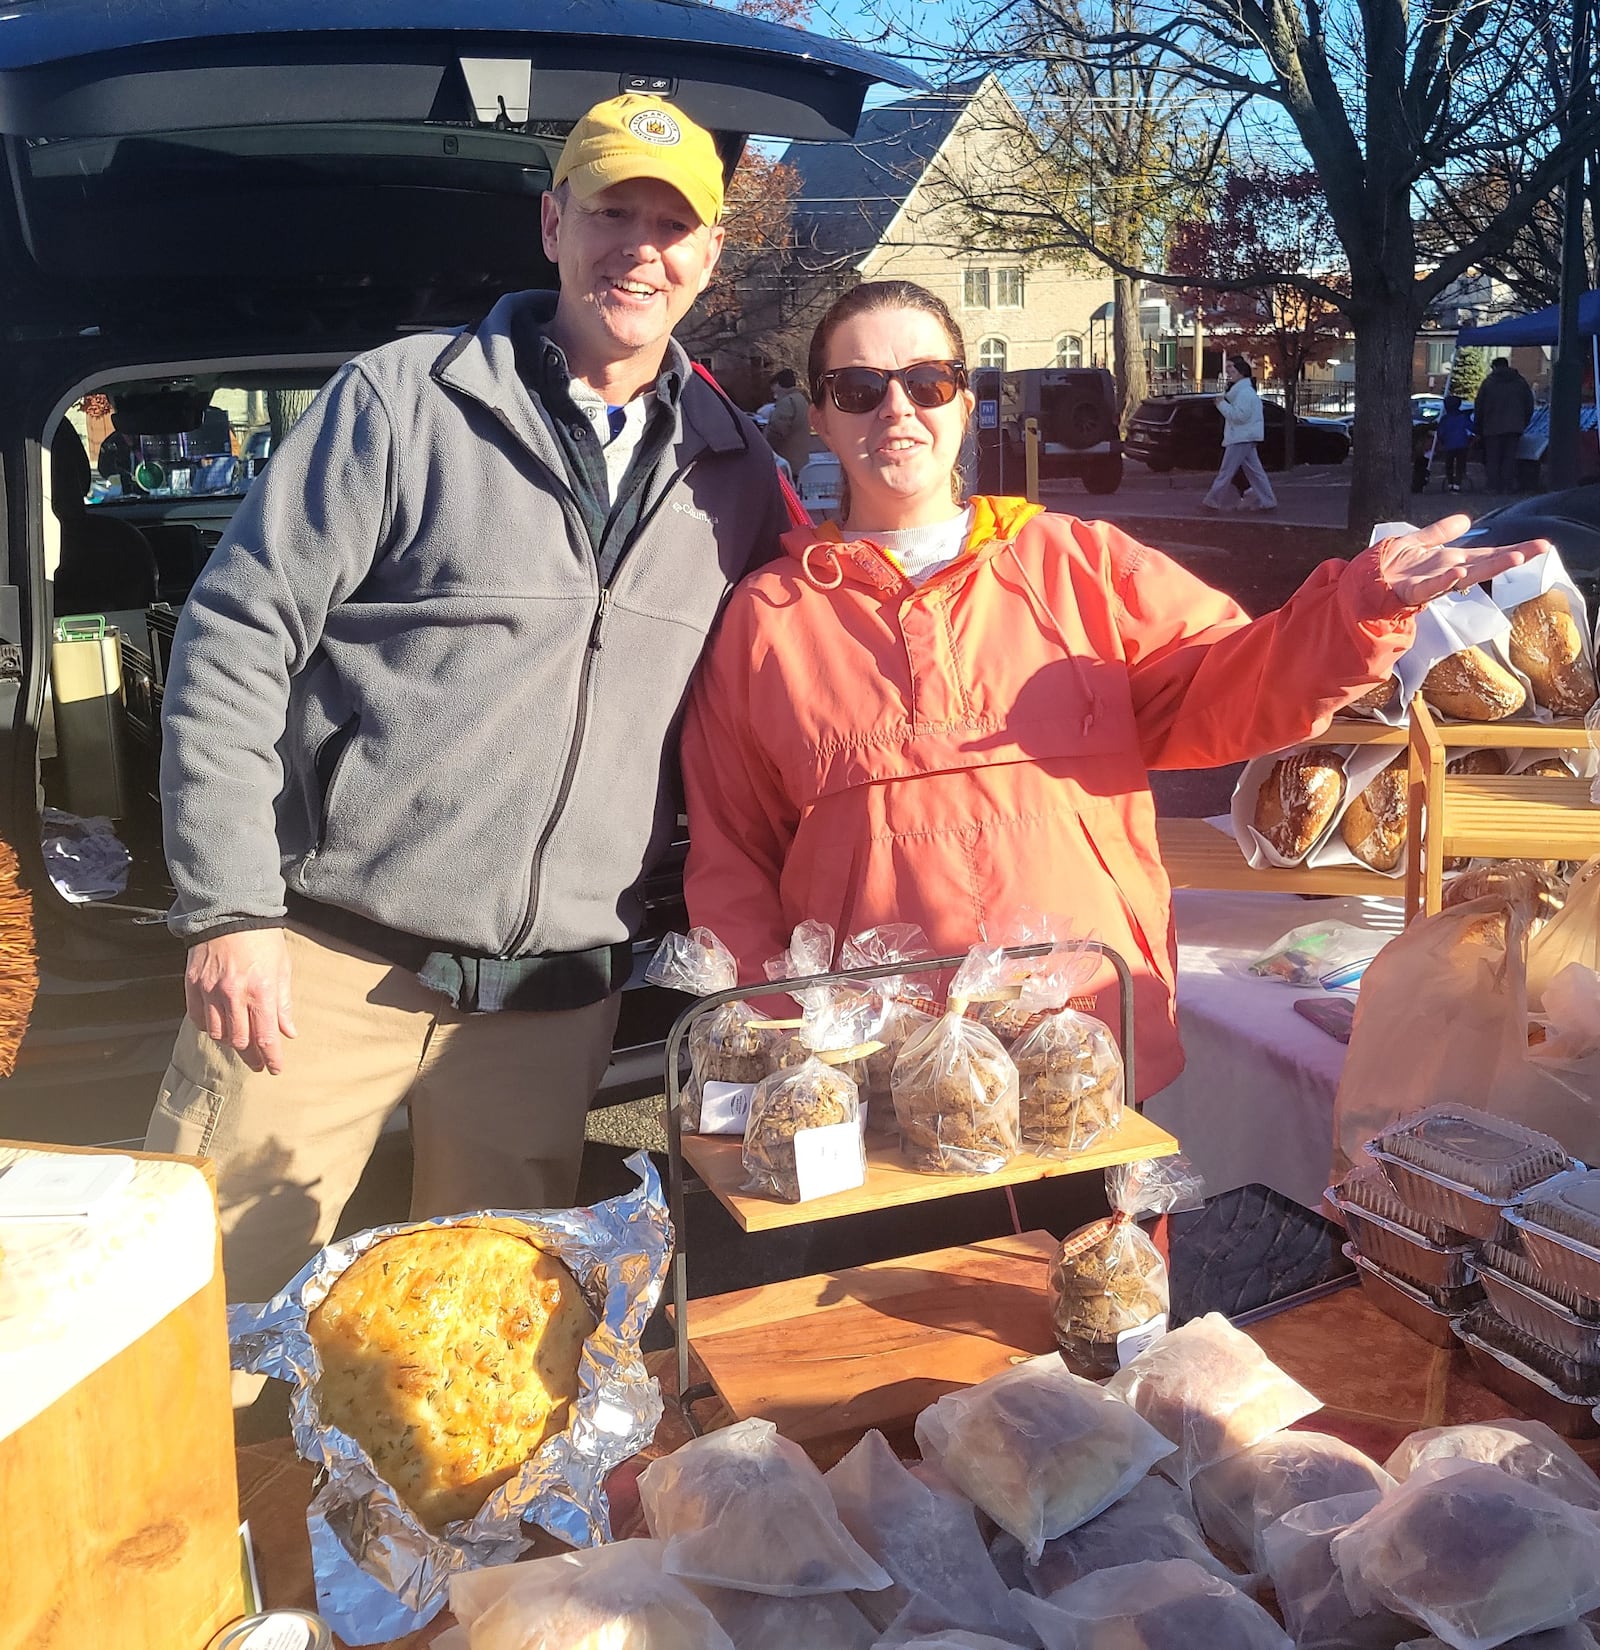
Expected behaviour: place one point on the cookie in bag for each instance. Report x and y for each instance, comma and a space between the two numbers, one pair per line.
810, 1096
955, 1099
1070, 1088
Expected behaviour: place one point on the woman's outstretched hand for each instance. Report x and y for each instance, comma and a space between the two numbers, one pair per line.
1421, 565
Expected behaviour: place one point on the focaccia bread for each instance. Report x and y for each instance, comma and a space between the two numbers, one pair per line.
1472, 686
450, 1354
1298, 798
1374, 825
1547, 647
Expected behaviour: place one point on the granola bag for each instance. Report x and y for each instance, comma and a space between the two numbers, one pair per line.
726, 1046
743, 1507
955, 1087
802, 1101
1108, 1286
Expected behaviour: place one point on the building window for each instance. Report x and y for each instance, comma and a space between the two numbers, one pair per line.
975, 289
992, 353
1069, 350
1008, 288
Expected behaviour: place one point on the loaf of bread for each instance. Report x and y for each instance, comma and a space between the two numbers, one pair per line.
450, 1354
1374, 698
1298, 798
1484, 761
1472, 686
1550, 767
1547, 647
1374, 825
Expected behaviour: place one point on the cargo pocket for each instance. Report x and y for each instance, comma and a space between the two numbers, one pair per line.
186, 1116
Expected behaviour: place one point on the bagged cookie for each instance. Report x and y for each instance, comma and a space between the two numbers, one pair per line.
728, 1046
1069, 1079
905, 1004
1108, 1283
797, 1102
955, 1087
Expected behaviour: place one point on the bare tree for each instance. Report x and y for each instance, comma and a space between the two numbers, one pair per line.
1393, 102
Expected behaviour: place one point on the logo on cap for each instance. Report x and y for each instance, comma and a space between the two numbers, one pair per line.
655, 126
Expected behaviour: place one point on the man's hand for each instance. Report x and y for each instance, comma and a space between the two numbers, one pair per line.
237, 991
1419, 566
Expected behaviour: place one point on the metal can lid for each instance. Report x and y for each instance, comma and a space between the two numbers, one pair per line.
275, 1630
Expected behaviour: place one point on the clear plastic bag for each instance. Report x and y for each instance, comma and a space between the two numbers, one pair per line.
810, 951
802, 1098
1109, 1294
1070, 1085
743, 1507
1238, 1498
1212, 1391
955, 1087
1152, 1521
1304, 955
1475, 1555
598, 1598
1165, 1604
726, 1045
905, 1004
952, 1638
1310, 1591
926, 1540
757, 1621
1526, 1449
1040, 1450
1575, 1637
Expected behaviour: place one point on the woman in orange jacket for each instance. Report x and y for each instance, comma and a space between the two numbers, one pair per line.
946, 712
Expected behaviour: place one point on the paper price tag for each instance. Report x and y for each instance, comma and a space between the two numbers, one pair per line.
1131, 1342
725, 1107
62, 1186
829, 1159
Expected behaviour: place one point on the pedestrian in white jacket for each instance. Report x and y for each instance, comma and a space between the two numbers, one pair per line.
1242, 428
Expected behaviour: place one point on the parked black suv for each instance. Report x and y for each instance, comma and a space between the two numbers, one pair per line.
211, 207
1184, 432
1076, 410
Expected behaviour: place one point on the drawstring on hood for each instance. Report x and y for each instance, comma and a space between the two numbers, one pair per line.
831, 552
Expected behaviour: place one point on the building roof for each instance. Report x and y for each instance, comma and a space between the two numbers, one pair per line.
850, 192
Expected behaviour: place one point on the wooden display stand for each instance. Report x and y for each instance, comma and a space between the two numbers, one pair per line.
824, 1357
1449, 816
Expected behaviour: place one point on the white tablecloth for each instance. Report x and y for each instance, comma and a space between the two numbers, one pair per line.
1255, 1101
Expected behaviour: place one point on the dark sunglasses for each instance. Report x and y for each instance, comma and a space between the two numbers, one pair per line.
862, 389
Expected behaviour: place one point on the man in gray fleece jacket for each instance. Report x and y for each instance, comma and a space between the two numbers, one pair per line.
418, 726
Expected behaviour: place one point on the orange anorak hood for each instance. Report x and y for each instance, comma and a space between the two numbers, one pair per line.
861, 748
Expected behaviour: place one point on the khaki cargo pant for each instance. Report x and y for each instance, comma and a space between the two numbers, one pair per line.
497, 1105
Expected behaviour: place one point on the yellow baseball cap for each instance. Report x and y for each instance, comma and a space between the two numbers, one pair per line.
642, 137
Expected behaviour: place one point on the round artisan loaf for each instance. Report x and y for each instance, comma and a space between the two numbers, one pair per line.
1547, 647
1374, 825
1298, 799
450, 1354
1374, 698
1473, 687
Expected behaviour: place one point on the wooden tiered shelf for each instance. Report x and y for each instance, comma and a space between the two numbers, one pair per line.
1451, 815
890, 1184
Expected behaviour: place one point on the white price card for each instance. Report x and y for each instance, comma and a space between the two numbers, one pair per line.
829, 1159
1131, 1342
62, 1186
725, 1107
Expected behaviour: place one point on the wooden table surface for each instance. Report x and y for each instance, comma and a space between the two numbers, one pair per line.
1378, 1382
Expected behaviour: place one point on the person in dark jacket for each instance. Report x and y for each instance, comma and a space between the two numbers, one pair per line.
417, 726
1502, 411
1455, 441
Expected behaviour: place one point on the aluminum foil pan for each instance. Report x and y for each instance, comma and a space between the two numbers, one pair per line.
379, 1573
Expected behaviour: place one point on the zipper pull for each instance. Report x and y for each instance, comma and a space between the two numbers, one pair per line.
599, 619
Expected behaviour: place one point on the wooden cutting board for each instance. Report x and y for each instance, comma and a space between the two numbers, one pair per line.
119, 1506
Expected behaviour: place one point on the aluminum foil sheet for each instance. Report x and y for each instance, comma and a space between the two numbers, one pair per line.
379, 1573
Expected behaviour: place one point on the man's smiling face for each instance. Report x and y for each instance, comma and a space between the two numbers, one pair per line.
633, 258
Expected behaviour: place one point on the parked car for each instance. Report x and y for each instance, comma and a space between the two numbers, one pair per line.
1184, 432
207, 202
1075, 409
1570, 519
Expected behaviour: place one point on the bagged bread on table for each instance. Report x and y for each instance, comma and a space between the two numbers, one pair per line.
1154, 1520
598, 1598
1373, 826
1575, 1637
744, 1507
1473, 1554
1473, 686
1298, 800
1109, 1294
1211, 1391
955, 1087
1535, 889
757, 1621
1525, 1448
1238, 1498
1310, 1591
927, 1540
905, 1003
1164, 1604
1550, 639
726, 1046
1040, 1450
